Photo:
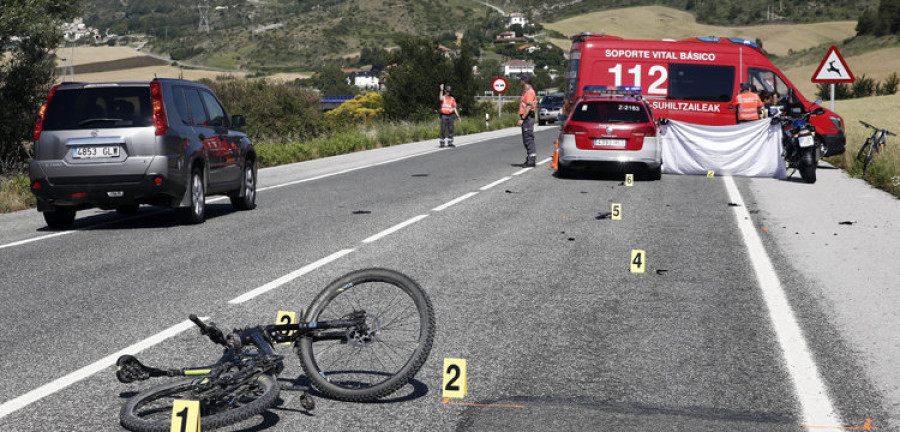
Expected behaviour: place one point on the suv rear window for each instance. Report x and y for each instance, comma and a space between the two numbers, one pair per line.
99, 108
610, 112
552, 100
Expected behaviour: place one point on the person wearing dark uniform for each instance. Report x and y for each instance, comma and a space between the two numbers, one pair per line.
526, 119
448, 110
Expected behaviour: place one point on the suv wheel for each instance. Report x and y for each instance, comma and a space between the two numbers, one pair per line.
196, 212
245, 197
61, 218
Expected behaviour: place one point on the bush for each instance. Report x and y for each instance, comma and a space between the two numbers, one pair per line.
276, 112
362, 109
863, 87
889, 86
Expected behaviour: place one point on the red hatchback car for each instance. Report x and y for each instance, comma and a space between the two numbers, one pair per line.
610, 128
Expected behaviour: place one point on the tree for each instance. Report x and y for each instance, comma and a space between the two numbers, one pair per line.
420, 67
30, 29
333, 82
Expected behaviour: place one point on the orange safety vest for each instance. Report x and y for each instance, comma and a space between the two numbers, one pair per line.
748, 106
528, 99
448, 104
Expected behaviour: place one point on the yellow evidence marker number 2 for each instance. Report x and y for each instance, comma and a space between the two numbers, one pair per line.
185, 416
638, 261
454, 378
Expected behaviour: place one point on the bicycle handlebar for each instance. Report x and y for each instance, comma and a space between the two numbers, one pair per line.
210, 330
877, 128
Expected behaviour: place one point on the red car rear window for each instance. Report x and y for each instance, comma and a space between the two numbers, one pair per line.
610, 112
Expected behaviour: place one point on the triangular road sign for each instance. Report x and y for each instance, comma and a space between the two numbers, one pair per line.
833, 69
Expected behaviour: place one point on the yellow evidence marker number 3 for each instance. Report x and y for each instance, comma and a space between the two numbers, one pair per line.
286, 317
454, 378
185, 416
638, 261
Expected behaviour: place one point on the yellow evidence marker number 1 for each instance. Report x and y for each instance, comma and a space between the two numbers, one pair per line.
638, 261
286, 317
185, 416
454, 378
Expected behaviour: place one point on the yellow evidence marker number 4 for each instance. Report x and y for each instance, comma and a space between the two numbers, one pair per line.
454, 378
185, 416
638, 261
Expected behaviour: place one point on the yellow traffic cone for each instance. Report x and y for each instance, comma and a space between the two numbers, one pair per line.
555, 162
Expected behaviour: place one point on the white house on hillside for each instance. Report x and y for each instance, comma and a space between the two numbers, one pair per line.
515, 67
516, 18
363, 79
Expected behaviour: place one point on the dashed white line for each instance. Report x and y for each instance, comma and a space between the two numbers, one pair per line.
26, 241
811, 390
488, 186
289, 277
56, 385
395, 228
522, 171
456, 200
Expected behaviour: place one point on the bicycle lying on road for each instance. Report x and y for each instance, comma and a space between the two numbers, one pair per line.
364, 337
873, 144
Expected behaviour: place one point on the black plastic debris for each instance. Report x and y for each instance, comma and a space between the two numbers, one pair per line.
731, 204
661, 271
846, 223
571, 238
419, 175
509, 191
362, 212
603, 215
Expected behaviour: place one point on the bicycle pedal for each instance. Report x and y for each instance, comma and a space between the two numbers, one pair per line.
307, 401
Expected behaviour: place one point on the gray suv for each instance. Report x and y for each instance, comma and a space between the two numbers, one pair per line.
118, 145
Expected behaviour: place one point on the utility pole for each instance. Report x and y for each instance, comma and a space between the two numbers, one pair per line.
204, 17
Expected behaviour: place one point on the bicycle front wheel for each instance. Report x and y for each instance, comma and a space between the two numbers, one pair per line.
151, 410
364, 363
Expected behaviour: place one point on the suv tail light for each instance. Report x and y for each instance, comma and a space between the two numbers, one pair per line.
159, 109
39, 124
647, 131
574, 130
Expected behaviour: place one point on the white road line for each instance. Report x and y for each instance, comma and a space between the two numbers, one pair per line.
289, 277
26, 241
812, 393
522, 171
456, 200
54, 386
395, 228
486, 187
544, 161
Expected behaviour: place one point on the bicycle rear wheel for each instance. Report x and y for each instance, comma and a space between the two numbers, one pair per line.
151, 409
364, 364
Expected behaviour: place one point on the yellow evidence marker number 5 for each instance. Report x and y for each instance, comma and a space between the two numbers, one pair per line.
185, 416
454, 378
616, 212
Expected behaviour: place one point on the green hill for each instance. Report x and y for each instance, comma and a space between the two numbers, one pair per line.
303, 35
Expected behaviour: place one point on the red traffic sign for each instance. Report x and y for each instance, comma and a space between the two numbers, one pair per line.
499, 85
833, 69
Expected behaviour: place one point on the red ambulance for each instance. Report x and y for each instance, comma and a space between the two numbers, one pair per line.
693, 80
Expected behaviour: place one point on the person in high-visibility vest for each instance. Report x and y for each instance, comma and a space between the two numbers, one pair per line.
448, 110
526, 119
748, 104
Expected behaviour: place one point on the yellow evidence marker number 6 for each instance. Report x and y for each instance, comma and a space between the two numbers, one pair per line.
629, 179
185, 416
455, 378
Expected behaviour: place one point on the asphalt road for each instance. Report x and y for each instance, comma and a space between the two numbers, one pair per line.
529, 286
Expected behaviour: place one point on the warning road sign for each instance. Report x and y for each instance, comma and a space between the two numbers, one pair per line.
833, 69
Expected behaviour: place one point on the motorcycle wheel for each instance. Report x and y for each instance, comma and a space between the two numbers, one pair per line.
808, 165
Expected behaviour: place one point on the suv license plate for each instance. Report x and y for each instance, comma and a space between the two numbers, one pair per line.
95, 152
806, 141
609, 142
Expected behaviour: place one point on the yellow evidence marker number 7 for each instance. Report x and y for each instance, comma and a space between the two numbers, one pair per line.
454, 378
185, 416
